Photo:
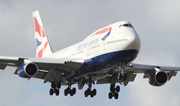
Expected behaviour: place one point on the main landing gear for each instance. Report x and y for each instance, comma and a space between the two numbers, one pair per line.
114, 92
70, 91
55, 86
90, 92
120, 76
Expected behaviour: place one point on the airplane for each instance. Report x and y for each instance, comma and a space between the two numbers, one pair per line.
103, 57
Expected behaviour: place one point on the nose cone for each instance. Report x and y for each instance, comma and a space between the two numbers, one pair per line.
133, 40
130, 39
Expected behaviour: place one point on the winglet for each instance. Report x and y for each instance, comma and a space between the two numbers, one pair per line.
43, 48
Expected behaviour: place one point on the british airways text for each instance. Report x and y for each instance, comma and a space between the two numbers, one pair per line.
88, 44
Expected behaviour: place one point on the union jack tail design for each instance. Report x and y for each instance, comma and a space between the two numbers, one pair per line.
43, 48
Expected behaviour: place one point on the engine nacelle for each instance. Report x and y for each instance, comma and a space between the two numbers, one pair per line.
28, 70
159, 78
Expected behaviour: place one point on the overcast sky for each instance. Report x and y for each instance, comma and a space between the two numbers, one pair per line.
67, 22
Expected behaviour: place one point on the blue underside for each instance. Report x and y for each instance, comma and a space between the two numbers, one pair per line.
100, 62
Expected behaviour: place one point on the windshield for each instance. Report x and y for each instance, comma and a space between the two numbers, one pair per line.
126, 25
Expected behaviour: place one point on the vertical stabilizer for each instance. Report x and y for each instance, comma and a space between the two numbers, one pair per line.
43, 48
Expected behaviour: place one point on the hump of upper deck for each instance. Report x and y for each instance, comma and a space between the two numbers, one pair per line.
108, 28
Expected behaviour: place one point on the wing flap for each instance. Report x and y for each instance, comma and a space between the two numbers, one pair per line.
104, 80
130, 77
40, 75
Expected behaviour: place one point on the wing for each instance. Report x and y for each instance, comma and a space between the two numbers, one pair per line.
149, 71
46, 66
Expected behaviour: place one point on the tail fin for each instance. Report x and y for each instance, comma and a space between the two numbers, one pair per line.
43, 48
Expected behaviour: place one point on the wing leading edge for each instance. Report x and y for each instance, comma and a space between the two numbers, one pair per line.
45, 65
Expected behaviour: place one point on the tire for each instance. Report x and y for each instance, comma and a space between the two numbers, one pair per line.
65, 92
74, 91
91, 94
88, 91
94, 92
117, 88
53, 85
85, 93
51, 92
71, 93
68, 90
116, 95
110, 95
57, 92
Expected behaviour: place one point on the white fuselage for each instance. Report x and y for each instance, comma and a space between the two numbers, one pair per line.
122, 36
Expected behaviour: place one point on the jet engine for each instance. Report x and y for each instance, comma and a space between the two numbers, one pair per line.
159, 78
28, 70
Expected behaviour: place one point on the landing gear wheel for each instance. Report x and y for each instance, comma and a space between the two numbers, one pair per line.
94, 92
53, 85
59, 85
85, 93
110, 95
57, 92
71, 93
51, 92
116, 95
91, 94
74, 91
65, 92
88, 91
117, 88
68, 89
114, 91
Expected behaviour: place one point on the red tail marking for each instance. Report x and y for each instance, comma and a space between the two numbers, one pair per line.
38, 28
40, 54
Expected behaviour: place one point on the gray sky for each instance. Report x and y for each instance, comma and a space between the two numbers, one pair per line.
68, 22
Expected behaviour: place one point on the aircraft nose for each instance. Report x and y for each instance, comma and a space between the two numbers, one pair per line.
133, 40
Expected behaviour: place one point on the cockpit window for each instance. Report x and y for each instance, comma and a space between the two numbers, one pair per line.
126, 25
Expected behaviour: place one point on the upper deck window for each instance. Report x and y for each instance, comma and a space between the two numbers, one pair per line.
126, 25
